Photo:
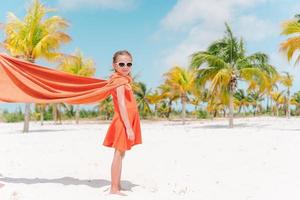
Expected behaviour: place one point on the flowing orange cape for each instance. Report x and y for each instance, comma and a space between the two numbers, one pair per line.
22, 81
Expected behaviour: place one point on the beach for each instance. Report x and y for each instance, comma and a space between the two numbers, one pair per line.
258, 159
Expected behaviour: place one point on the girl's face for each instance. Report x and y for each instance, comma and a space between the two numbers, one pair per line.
123, 64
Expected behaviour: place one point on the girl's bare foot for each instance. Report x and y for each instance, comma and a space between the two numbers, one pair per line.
117, 192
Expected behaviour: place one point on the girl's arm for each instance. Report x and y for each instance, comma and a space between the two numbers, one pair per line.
123, 111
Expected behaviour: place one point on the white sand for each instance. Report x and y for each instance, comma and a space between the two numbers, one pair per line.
258, 159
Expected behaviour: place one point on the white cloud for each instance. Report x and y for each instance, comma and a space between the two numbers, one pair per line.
103, 4
255, 29
189, 12
197, 40
186, 13
203, 21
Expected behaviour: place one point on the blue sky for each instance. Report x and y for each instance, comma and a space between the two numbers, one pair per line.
161, 34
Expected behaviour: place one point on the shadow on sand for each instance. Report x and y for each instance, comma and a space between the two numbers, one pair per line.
95, 183
37, 131
226, 126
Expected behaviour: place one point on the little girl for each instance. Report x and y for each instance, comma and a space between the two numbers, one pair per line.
22, 81
125, 130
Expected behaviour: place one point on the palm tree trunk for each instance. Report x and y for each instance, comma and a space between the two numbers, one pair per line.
155, 111
58, 113
240, 109
77, 114
183, 101
230, 109
169, 108
244, 113
27, 108
215, 113
26, 118
271, 107
54, 112
42, 115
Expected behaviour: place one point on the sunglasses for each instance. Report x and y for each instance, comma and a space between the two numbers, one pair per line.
121, 64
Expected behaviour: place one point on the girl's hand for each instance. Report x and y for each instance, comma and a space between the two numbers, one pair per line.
130, 134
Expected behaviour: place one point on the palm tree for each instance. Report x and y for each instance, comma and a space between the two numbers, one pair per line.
199, 95
154, 98
34, 37
278, 99
141, 92
106, 107
163, 109
287, 81
242, 100
169, 96
255, 99
295, 100
78, 65
215, 106
273, 80
292, 44
224, 63
196, 100
183, 81
56, 113
41, 107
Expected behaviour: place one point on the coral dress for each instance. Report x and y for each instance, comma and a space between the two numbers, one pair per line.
116, 136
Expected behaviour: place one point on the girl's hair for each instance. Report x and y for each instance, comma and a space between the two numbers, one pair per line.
119, 53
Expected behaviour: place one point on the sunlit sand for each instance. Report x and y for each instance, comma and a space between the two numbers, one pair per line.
258, 159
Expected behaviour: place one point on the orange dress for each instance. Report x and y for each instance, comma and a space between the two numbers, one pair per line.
116, 136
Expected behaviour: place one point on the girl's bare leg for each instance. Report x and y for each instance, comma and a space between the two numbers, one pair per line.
119, 185
116, 169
